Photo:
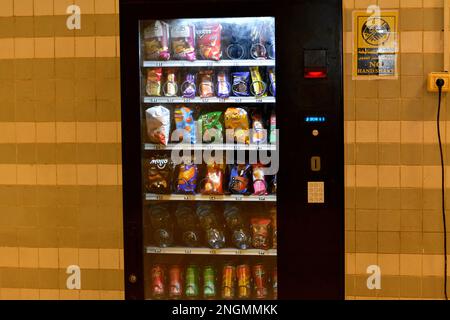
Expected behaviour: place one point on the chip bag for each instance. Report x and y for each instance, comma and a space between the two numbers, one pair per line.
183, 41
213, 182
206, 84
184, 120
156, 41
260, 233
241, 84
239, 179
159, 174
211, 127
154, 76
259, 181
158, 124
209, 41
187, 178
237, 120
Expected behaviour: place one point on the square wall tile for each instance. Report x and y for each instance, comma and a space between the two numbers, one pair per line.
43, 7
23, 7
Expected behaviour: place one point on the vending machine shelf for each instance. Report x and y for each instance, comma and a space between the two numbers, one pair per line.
210, 100
231, 198
210, 63
213, 146
209, 251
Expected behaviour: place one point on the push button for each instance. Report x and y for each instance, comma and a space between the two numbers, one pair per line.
316, 164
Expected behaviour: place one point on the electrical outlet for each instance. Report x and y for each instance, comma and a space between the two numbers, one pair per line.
432, 78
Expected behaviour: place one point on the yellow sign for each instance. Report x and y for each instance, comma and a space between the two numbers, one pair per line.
375, 44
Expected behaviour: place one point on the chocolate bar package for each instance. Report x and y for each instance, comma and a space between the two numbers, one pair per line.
259, 181
239, 179
156, 41
259, 133
159, 170
158, 124
209, 41
183, 41
223, 84
188, 87
272, 86
206, 83
154, 76
170, 86
241, 84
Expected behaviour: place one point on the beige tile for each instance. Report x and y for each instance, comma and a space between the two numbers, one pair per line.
23, 7
411, 176
84, 47
106, 132
431, 177
6, 48
7, 8
43, 7
45, 132
88, 258
433, 265
366, 176
350, 176
366, 131
412, 132
389, 264
411, 265
349, 128
28, 258
89, 295
105, 47
66, 174
433, 4
48, 258
65, 132
46, 174
105, 6
364, 4
26, 175
433, 42
69, 295
389, 176
111, 295
29, 294
389, 131
8, 174
49, 294
430, 132
67, 257
44, 48
348, 4
8, 130
364, 260
60, 6
411, 41
411, 3
413, 86
107, 175
389, 4
11, 294
25, 132
109, 259
86, 132
87, 175
350, 263
9, 257
23, 48
64, 47
87, 6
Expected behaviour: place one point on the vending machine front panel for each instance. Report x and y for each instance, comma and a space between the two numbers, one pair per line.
208, 138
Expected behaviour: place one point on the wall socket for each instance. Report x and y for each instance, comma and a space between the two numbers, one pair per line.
433, 76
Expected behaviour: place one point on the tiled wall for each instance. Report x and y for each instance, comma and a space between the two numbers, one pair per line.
393, 216
60, 157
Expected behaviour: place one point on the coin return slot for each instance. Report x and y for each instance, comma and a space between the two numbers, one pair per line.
316, 164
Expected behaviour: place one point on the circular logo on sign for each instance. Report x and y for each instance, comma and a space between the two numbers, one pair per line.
376, 32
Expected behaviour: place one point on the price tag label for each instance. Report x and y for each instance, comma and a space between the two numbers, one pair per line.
262, 253
187, 197
212, 198
239, 252
212, 251
188, 251
262, 198
238, 198
259, 100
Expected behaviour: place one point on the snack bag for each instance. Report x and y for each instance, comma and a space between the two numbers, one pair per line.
223, 85
213, 182
237, 119
187, 178
188, 88
259, 181
273, 217
170, 87
239, 179
209, 41
159, 174
183, 41
272, 87
274, 185
158, 124
206, 85
154, 76
184, 120
211, 127
156, 41
273, 128
258, 35
241, 84
259, 133
260, 233
258, 87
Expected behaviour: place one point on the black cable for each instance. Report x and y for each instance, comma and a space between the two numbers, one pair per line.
440, 84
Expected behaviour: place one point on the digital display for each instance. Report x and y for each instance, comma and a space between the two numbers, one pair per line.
315, 119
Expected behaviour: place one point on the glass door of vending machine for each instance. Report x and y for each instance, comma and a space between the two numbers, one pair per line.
208, 89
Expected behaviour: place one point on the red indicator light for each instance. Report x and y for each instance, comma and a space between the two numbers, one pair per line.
315, 74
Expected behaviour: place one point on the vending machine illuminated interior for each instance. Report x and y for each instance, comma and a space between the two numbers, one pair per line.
232, 180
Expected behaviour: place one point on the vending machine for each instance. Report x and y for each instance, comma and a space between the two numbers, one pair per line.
232, 132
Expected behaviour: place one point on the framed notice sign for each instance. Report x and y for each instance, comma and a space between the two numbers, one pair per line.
375, 44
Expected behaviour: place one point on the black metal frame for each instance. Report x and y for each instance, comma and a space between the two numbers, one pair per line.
311, 237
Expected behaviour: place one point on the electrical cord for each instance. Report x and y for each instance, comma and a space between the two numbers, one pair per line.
440, 83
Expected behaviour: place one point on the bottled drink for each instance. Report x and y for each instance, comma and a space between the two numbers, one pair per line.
209, 282
192, 282
238, 226
228, 281
188, 223
210, 223
162, 225
175, 282
243, 281
260, 281
158, 280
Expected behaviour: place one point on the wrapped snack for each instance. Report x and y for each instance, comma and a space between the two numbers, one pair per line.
213, 182
170, 87
223, 85
259, 133
156, 41
206, 85
241, 84
209, 41
259, 181
237, 119
184, 120
274, 185
154, 76
188, 88
187, 178
158, 124
212, 129
273, 217
258, 35
183, 41
273, 128
159, 174
272, 87
258, 87
260, 233
239, 179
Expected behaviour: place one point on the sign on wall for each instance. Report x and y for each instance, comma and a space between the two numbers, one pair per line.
375, 44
